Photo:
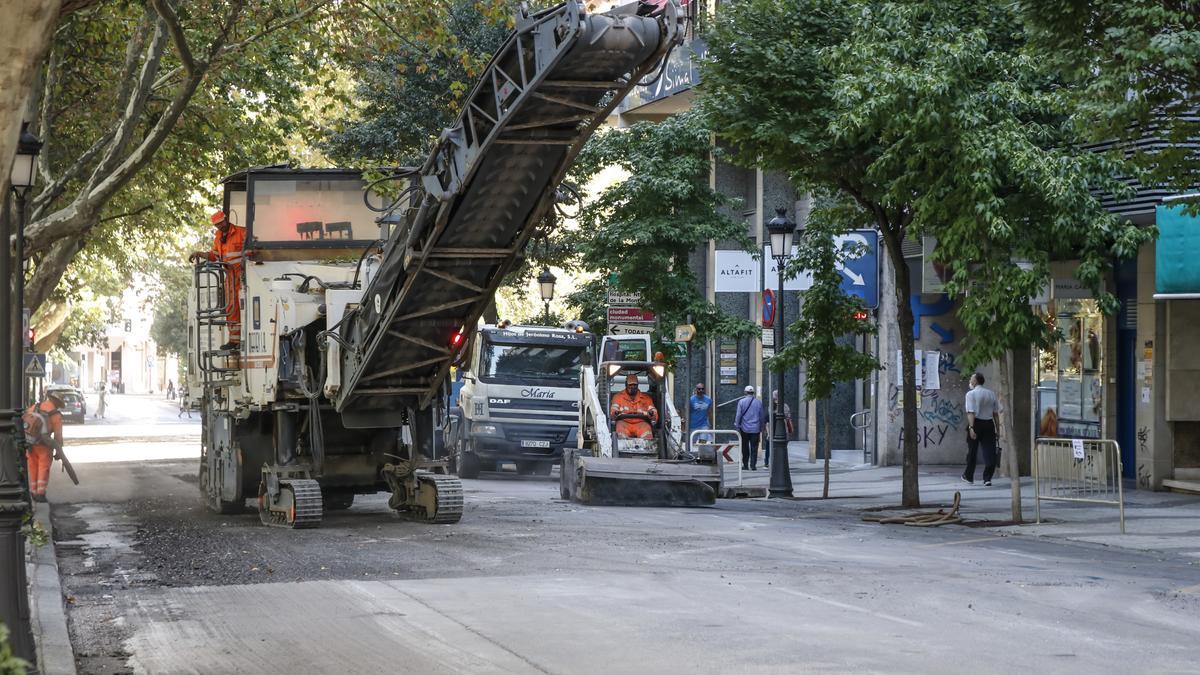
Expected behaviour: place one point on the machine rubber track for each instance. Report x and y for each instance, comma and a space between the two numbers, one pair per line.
307, 509
449, 498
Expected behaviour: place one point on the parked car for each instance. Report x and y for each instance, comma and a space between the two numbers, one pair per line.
74, 404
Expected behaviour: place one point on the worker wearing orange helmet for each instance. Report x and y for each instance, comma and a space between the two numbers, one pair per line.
632, 401
228, 244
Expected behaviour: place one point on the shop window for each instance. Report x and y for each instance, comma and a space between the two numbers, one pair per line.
1070, 374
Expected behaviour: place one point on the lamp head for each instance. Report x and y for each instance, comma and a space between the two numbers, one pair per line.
546, 284
781, 230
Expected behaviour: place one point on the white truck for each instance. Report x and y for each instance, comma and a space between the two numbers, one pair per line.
519, 400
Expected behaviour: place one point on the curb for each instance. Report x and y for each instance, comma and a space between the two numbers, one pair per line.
48, 615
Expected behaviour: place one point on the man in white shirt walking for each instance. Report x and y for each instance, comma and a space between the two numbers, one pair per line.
983, 419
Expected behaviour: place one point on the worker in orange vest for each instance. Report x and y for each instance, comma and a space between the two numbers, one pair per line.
632, 401
229, 241
43, 434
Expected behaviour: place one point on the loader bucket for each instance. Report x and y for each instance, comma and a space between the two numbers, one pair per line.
641, 482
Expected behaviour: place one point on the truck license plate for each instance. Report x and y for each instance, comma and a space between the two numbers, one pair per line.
535, 444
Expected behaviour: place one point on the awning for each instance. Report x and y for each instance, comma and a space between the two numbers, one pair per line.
1176, 266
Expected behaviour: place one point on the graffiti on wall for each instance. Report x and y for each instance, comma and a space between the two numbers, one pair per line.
936, 308
928, 436
1143, 450
936, 409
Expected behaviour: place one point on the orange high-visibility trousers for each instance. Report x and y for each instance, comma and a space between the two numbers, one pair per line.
39, 458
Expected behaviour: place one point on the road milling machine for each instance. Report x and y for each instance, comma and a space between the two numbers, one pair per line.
350, 322
607, 468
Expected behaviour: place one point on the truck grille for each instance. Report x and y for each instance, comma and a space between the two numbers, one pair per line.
539, 404
556, 436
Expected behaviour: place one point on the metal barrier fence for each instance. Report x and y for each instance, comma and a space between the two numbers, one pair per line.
1078, 470
727, 444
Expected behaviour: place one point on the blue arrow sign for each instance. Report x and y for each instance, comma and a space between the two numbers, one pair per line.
860, 275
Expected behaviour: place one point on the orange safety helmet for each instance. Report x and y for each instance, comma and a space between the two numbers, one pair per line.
217, 216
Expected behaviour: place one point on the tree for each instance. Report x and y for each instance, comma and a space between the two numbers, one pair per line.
932, 120
118, 82
827, 316
170, 327
1133, 67
25, 34
410, 92
647, 226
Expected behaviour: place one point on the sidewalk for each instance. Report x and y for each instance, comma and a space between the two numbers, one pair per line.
48, 616
1158, 521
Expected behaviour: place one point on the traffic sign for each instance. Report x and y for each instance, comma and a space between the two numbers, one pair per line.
860, 275
685, 332
620, 299
630, 329
629, 315
768, 308
35, 364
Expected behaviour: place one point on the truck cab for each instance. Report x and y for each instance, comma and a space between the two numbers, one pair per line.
519, 400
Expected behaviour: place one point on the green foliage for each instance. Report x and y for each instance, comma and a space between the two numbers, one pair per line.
590, 302
932, 119
411, 91
1132, 68
9, 663
647, 226
817, 337
170, 327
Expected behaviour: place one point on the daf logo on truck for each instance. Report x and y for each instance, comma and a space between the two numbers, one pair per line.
536, 393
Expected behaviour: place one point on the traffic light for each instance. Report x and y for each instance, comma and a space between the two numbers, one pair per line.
30, 339
128, 325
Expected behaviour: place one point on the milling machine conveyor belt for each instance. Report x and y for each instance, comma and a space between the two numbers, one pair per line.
482, 192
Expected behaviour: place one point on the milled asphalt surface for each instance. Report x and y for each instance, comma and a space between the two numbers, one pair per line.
529, 583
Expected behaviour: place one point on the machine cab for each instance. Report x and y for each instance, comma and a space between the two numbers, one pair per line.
302, 214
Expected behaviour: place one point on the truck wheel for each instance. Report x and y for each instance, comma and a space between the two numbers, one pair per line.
468, 464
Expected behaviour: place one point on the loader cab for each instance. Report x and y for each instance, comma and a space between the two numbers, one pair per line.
652, 380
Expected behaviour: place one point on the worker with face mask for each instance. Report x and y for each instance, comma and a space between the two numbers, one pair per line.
228, 244
632, 401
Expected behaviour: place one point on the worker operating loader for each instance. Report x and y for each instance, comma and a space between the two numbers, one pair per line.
633, 410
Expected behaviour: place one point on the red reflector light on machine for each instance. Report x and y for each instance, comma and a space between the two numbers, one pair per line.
456, 340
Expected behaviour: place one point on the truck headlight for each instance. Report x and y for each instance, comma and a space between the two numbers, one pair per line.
486, 429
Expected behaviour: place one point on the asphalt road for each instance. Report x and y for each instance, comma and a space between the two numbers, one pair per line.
527, 583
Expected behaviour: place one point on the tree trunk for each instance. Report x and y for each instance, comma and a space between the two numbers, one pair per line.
50, 270
50, 324
1014, 462
24, 38
827, 447
910, 491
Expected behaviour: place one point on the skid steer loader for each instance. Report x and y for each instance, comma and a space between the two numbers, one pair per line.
607, 468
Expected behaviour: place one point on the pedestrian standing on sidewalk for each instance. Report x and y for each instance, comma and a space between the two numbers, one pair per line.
699, 409
749, 423
100, 407
170, 390
983, 419
787, 423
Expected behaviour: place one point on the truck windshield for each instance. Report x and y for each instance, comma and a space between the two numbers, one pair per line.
520, 364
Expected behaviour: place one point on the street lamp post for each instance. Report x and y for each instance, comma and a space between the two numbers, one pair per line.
14, 501
781, 231
546, 285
